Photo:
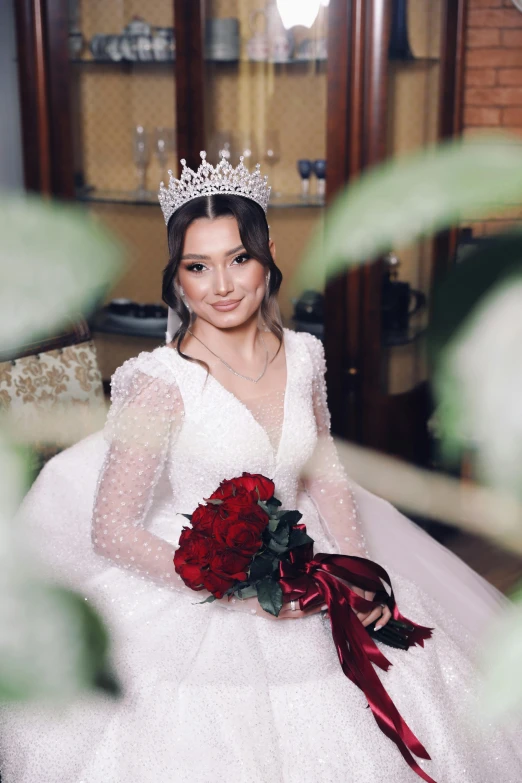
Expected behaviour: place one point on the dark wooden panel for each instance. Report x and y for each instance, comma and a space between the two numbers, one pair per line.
452, 71
59, 98
189, 21
33, 95
339, 52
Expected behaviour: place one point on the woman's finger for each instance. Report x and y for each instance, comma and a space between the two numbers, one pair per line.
386, 615
374, 615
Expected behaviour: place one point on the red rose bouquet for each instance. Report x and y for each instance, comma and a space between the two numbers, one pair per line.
243, 543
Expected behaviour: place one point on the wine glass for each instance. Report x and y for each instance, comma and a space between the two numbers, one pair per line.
221, 146
305, 167
272, 155
141, 156
247, 148
320, 172
161, 147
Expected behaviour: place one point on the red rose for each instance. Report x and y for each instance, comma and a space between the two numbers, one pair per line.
203, 518
241, 508
196, 548
255, 481
263, 486
192, 574
229, 564
216, 584
243, 536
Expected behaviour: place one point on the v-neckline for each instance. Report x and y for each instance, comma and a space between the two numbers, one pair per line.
234, 398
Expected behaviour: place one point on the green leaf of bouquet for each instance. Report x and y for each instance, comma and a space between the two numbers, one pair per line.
410, 197
291, 517
208, 600
270, 596
262, 566
48, 283
247, 592
273, 502
282, 533
298, 538
273, 524
187, 516
278, 548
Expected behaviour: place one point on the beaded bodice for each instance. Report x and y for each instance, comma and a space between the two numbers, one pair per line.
169, 418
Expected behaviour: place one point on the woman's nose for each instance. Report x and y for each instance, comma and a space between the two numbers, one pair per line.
222, 283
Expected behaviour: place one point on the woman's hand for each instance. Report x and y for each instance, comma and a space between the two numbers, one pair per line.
287, 613
381, 613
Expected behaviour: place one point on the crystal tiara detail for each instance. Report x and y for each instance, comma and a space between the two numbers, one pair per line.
209, 180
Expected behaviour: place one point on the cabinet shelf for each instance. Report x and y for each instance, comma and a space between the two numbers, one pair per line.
129, 65
283, 201
416, 62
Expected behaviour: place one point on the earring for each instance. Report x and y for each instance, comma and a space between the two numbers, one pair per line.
184, 299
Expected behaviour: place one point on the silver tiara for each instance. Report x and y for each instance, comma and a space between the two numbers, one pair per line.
209, 180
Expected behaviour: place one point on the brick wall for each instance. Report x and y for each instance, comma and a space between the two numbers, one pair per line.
493, 83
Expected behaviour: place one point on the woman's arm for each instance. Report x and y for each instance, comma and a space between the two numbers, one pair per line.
146, 415
326, 481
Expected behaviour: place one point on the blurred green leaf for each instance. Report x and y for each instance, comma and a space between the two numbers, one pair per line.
56, 262
477, 385
411, 197
502, 688
52, 643
454, 299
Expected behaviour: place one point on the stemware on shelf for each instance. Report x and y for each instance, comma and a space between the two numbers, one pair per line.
272, 156
246, 147
305, 168
161, 148
319, 167
221, 146
141, 157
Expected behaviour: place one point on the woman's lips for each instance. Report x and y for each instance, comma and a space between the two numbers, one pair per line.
229, 304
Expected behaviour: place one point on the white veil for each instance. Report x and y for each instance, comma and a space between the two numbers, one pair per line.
173, 324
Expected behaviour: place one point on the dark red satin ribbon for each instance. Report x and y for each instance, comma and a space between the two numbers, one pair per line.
316, 581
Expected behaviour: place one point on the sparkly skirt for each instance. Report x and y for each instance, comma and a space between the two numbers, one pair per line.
211, 694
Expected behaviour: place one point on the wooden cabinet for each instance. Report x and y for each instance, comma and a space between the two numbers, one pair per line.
326, 93
388, 105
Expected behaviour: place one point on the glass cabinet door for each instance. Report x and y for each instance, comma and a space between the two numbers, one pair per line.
265, 99
124, 117
413, 122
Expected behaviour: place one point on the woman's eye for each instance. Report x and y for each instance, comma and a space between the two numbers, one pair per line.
242, 259
196, 268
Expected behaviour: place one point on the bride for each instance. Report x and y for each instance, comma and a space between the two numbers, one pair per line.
223, 689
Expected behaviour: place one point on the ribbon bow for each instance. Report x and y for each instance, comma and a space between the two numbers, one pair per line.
322, 580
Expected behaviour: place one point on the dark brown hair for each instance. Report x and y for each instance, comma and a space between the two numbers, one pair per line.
253, 230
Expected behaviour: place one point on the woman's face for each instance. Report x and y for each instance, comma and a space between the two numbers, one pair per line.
222, 283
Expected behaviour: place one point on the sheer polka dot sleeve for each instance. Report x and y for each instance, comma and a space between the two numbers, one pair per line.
327, 483
146, 414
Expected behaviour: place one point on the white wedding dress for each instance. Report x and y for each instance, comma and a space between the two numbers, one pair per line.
214, 692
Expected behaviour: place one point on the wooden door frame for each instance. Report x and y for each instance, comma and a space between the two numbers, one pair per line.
32, 85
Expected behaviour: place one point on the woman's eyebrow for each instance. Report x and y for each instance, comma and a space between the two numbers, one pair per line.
197, 257
234, 250
194, 257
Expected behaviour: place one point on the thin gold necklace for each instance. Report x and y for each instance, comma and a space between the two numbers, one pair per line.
245, 377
